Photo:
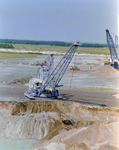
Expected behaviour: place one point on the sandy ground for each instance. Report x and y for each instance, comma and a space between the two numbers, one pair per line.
94, 83
86, 119
61, 125
16, 93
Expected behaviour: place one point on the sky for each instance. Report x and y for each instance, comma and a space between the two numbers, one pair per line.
59, 20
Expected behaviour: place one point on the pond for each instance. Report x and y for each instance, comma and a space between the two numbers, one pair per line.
12, 144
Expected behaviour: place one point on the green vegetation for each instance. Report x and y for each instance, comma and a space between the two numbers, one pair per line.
8, 55
63, 49
80, 50
88, 50
5, 45
39, 48
93, 45
51, 43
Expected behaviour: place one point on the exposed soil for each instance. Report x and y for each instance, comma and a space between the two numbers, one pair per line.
81, 121
62, 125
106, 70
17, 81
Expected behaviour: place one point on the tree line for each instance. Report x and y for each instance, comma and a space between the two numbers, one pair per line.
5, 45
51, 43
93, 45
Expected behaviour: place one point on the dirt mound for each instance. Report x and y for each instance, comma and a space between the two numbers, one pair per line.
106, 70
20, 108
108, 147
38, 119
89, 135
93, 137
17, 81
60, 124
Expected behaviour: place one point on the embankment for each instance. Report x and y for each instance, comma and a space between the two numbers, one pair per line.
56, 123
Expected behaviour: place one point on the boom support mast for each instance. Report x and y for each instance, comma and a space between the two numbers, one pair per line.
48, 78
113, 53
60, 69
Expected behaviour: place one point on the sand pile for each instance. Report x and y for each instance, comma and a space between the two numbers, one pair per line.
29, 126
93, 137
20, 108
37, 119
60, 124
106, 70
17, 81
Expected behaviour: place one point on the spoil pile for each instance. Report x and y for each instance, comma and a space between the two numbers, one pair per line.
61, 125
17, 81
106, 70
93, 137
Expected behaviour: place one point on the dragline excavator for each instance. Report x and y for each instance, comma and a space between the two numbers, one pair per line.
48, 78
114, 61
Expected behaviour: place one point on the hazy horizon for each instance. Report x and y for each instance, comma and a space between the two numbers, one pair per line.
55, 41
64, 20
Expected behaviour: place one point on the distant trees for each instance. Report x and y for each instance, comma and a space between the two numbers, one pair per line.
93, 45
51, 43
5, 45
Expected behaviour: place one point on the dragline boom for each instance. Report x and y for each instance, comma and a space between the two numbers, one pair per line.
113, 53
59, 71
48, 78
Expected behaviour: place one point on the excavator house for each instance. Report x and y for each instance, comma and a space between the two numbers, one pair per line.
48, 78
114, 60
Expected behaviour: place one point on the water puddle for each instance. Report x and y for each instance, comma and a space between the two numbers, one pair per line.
11, 144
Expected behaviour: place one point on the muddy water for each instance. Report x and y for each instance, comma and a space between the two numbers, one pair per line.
11, 144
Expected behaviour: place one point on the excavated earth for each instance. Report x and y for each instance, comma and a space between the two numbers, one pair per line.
86, 119
61, 124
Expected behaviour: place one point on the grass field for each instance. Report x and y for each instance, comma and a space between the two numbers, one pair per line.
89, 50
61, 48
80, 50
8, 55
40, 47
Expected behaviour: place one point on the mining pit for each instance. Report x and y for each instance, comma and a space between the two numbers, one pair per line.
86, 119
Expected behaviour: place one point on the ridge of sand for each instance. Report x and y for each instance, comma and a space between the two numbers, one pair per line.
106, 70
93, 137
